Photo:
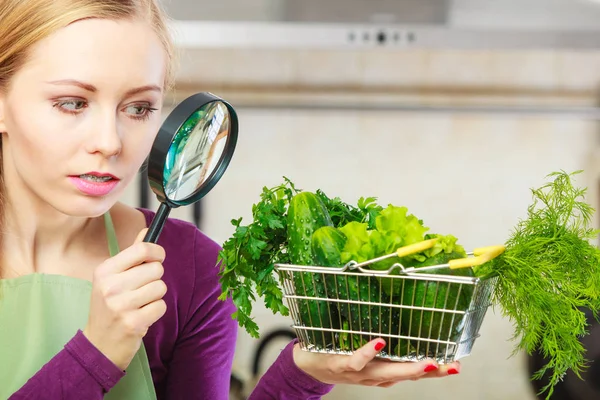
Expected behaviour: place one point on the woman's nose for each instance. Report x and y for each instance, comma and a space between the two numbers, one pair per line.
106, 138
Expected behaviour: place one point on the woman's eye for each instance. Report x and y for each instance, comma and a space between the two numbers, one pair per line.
71, 106
139, 111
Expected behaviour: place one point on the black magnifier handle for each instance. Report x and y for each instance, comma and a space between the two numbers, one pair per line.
144, 190
197, 213
158, 223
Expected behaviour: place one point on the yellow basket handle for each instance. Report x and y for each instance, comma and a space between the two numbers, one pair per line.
415, 247
482, 255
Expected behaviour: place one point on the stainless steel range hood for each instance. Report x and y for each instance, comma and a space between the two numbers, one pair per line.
388, 24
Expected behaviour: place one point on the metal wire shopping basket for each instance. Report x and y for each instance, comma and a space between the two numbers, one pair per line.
420, 314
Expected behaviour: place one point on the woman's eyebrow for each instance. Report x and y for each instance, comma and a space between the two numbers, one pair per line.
93, 89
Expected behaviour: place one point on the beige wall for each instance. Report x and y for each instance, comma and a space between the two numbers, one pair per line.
463, 174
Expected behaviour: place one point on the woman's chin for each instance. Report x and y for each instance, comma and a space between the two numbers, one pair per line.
87, 206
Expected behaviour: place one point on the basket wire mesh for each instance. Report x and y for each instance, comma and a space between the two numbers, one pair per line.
421, 315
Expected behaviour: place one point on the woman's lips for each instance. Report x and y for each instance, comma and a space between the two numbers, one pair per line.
95, 184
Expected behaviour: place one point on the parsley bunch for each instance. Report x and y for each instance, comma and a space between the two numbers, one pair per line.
248, 256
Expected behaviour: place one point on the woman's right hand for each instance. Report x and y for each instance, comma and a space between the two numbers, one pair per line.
127, 293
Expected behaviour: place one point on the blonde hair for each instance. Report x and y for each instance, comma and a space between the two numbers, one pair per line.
23, 23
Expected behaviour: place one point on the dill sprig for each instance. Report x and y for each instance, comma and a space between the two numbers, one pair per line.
548, 275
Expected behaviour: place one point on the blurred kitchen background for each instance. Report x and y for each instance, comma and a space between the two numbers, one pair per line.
452, 108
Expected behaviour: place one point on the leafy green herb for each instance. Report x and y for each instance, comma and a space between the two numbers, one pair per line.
248, 256
548, 272
342, 213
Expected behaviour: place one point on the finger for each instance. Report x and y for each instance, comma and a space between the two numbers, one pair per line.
145, 295
384, 384
371, 382
399, 371
441, 371
140, 237
152, 312
388, 384
362, 356
135, 278
446, 369
136, 254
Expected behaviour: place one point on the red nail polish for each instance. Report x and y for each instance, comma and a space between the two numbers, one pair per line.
379, 346
430, 367
452, 371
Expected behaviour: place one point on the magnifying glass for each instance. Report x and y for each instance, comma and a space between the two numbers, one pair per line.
190, 154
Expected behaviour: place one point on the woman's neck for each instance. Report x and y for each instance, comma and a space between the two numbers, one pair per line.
36, 237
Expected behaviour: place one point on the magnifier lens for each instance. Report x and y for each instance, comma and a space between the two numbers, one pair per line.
196, 150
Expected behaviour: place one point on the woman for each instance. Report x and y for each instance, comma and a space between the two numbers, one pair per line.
81, 89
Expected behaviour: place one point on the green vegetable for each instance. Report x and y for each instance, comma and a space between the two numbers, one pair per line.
341, 213
439, 295
306, 214
548, 275
248, 256
393, 228
327, 245
366, 318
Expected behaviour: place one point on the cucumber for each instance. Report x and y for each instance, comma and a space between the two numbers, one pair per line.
372, 319
435, 324
306, 214
327, 246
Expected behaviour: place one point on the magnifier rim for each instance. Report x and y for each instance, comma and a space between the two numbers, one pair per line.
176, 119
222, 164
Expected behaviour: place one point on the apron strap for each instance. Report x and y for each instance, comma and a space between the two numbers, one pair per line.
111, 235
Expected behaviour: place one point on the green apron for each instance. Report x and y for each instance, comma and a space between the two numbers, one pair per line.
40, 313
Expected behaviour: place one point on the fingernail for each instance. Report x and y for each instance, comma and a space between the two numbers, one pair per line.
430, 367
379, 346
452, 371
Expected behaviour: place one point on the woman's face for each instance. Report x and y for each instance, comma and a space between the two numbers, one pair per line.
81, 115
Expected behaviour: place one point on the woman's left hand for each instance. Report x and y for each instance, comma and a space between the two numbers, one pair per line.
362, 368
